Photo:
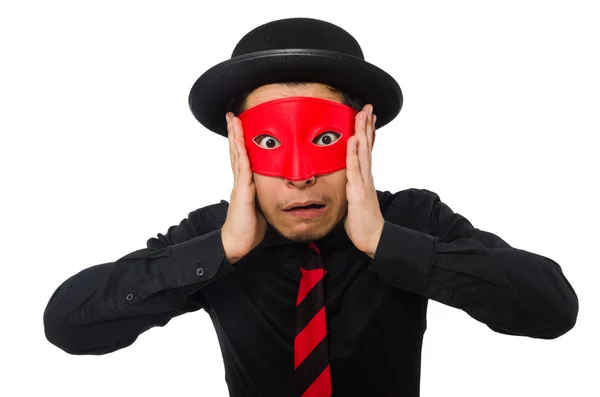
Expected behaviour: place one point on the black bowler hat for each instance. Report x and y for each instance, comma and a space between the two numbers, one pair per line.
293, 49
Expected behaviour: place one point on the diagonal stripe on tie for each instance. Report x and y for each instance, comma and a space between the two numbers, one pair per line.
321, 387
310, 337
310, 305
310, 369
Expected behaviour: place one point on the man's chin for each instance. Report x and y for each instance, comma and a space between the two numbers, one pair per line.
304, 233
303, 237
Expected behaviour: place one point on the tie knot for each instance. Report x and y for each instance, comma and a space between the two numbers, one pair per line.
313, 261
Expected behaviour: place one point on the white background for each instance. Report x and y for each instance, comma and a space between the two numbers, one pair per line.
100, 152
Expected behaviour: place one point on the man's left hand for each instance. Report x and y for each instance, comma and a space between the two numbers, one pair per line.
364, 222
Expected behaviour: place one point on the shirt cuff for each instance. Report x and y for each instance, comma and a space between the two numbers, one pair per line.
199, 260
404, 257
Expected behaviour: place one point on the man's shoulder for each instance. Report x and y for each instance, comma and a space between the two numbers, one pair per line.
406, 198
410, 207
205, 219
198, 222
211, 216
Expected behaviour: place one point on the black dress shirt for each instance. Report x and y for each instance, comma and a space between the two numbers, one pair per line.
376, 308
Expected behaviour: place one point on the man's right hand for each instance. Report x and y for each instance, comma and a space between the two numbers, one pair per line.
245, 225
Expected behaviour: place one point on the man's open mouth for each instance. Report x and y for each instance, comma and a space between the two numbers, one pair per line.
307, 207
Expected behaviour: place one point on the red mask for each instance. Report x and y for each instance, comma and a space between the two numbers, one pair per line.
297, 137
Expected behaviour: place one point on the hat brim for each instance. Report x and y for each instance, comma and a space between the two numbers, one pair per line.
212, 92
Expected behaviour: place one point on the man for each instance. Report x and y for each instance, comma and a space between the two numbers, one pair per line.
316, 282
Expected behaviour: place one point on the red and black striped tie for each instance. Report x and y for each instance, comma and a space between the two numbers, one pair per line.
311, 349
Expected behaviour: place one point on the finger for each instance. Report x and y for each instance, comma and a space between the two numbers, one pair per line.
372, 143
364, 153
353, 173
368, 121
232, 149
230, 138
232, 152
370, 129
374, 134
359, 125
245, 173
236, 153
359, 141
243, 161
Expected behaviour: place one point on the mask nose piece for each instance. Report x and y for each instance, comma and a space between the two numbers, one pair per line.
300, 167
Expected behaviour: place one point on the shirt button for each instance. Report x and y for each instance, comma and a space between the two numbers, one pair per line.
129, 297
473, 305
200, 272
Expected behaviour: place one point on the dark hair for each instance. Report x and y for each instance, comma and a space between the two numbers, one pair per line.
238, 104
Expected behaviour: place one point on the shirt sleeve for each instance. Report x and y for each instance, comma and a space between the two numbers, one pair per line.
512, 291
106, 307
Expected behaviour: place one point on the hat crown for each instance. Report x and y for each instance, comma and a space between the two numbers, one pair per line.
298, 33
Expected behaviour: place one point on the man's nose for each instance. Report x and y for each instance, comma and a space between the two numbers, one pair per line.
302, 182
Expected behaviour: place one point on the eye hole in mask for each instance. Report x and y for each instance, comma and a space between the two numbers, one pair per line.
325, 139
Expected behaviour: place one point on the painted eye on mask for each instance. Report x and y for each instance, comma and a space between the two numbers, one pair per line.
327, 138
